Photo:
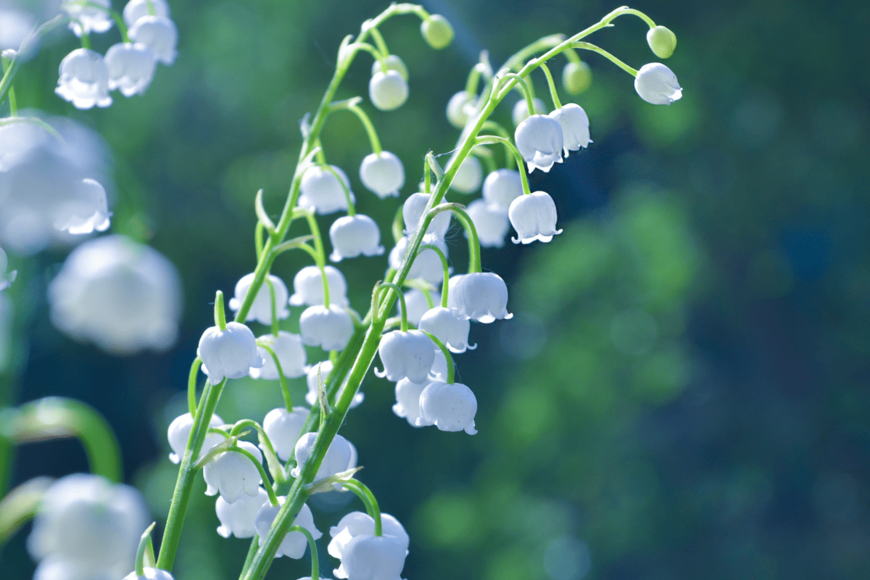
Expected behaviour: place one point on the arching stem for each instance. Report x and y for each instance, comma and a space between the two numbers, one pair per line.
556, 102
191, 386
447, 355
445, 265
368, 498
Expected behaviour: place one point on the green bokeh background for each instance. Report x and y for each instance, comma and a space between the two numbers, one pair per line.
683, 390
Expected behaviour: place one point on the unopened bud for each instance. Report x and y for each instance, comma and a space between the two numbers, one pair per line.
576, 77
437, 31
662, 41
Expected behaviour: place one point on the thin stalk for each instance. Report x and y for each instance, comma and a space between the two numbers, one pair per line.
368, 498
446, 266
191, 386
273, 499
511, 148
285, 388
553, 93
607, 55
447, 355
377, 297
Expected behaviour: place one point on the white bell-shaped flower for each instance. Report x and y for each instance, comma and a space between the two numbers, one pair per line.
413, 210
87, 525
446, 326
149, 574
237, 518
539, 140
84, 79
417, 304
261, 308
122, 296
136, 9
459, 108
179, 433
5, 278
521, 110
408, 400
131, 68
491, 223
329, 328
233, 474
368, 557
324, 368
336, 460
448, 407
308, 287
388, 90
575, 127
657, 84
481, 296
406, 354
438, 372
290, 351
322, 191
469, 176
392, 62
382, 174
533, 216
229, 353
87, 19
357, 523
284, 428
427, 265
157, 33
294, 543
50, 188
354, 235
501, 187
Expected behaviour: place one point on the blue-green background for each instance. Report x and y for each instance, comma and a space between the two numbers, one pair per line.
683, 392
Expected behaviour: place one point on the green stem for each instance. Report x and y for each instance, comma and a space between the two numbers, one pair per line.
486, 155
191, 385
144, 542
445, 265
13, 104
352, 106
351, 210
447, 355
285, 388
272, 459
555, 95
382, 47
468, 224
377, 297
473, 81
525, 86
220, 317
315, 561
510, 147
273, 305
319, 252
427, 175
639, 14
273, 499
368, 498
607, 55
258, 238
398, 225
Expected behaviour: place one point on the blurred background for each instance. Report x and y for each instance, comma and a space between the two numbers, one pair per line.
683, 390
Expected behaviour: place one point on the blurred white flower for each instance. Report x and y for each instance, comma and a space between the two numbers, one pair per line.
294, 543
234, 474
308, 287
229, 353
448, 407
17, 24
657, 84
88, 19
427, 265
179, 432
575, 127
539, 140
533, 216
459, 108
87, 527
354, 235
238, 518
157, 33
261, 308
284, 428
501, 187
131, 68
84, 79
382, 174
392, 62
136, 9
388, 90
417, 304
322, 192
5, 278
122, 296
324, 368
290, 352
521, 110
469, 176
490, 222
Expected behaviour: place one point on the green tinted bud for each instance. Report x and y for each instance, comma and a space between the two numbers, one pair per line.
437, 31
576, 77
662, 41
392, 62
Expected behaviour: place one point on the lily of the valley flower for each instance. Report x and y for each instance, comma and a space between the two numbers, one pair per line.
261, 307
388, 90
354, 235
136, 9
501, 187
369, 557
417, 304
150, 574
322, 191
284, 428
427, 265
323, 369
459, 108
84, 79
294, 543
491, 223
540, 141
657, 84
238, 518
575, 127
406, 354
408, 400
447, 327
481, 296
308, 287
290, 351
534, 218
329, 328
337, 459
131, 68
392, 62
469, 176
229, 353
87, 19
157, 33
521, 110
382, 174
413, 210
358, 523
179, 433
233, 474
450, 407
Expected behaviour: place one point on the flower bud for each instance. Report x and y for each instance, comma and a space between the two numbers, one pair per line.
437, 31
322, 191
388, 90
354, 235
521, 110
294, 543
329, 328
131, 68
336, 460
179, 433
284, 428
662, 41
491, 223
501, 187
229, 353
657, 84
576, 77
261, 307
534, 218
448, 407
481, 296
469, 176
382, 174
308, 286
406, 354
290, 352
392, 62
233, 474
413, 210
157, 33
238, 518
459, 108
444, 325
84, 79
575, 127
539, 140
